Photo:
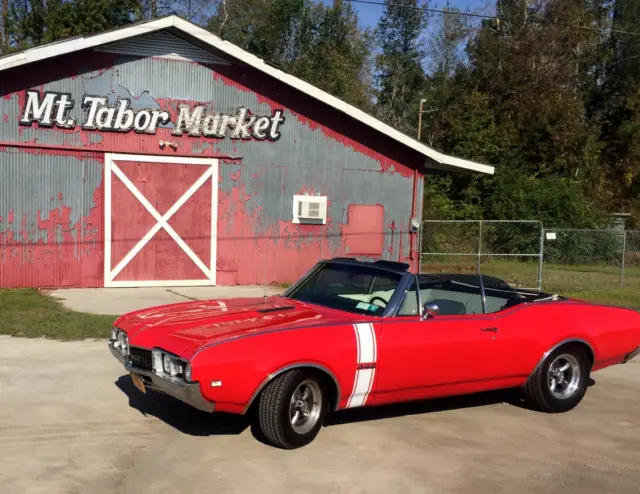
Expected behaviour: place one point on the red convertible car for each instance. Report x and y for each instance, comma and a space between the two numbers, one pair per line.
352, 334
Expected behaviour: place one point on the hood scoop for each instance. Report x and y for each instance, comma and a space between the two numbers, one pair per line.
275, 309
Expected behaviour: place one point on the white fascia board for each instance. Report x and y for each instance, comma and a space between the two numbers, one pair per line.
81, 43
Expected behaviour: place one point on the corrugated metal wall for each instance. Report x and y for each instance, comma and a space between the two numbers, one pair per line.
50, 218
320, 152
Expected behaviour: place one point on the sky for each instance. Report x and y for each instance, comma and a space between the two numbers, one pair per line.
369, 14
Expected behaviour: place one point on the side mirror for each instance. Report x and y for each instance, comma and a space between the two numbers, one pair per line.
430, 310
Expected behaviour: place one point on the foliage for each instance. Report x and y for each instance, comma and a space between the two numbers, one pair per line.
34, 22
400, 76
558, 202
595, 248
318, 43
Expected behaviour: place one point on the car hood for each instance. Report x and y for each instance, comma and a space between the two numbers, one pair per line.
183, 328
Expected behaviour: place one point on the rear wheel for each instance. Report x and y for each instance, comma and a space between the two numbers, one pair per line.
560, 382
292, 409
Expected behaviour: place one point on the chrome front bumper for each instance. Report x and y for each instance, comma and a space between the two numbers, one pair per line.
186, 392
631, 355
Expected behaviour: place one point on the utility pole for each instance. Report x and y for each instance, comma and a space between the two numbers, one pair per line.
420, 112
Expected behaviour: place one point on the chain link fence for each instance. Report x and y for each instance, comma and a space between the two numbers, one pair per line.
528, 256
511, 250
584, 260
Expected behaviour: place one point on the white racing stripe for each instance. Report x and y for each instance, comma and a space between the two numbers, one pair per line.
367, 353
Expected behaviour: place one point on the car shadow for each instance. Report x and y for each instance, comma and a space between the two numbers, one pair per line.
189, 420
424, 407
179, 415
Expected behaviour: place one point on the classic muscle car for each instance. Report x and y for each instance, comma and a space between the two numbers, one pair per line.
352, 334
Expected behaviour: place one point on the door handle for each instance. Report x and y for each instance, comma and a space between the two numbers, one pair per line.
493, 330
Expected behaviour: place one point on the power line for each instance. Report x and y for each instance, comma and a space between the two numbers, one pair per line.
496, 17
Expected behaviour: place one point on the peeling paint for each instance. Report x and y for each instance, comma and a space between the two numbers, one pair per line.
46, 242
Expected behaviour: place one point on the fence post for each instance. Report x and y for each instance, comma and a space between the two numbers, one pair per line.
624, 249
421, 233
541, 259
479, 247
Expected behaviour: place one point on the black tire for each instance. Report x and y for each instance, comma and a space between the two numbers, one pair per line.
538, 388
274, 409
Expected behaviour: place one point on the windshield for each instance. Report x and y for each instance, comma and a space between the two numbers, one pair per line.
359, 289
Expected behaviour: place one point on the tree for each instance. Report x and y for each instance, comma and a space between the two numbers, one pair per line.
400, 77
267, 28
320, 44
4, 27
443, 86
339, 60
620, 104
35, 22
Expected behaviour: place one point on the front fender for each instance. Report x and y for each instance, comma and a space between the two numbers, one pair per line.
298, 365
233, 372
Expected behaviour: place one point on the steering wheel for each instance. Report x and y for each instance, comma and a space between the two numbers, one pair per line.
379, 298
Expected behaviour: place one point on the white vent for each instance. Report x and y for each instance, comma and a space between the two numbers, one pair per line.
310, 209
163, 45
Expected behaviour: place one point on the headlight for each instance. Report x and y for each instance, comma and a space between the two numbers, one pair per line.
165, 363
158, 367
120, 341
172, 366
187, 373
123, 343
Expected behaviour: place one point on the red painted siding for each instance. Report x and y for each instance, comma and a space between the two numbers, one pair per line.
47, 247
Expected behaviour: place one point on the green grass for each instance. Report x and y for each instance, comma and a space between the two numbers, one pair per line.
29, 313
627, 297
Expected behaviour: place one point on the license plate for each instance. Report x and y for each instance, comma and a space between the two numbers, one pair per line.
137, 382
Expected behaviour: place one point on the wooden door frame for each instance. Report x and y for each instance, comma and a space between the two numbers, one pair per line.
110, 168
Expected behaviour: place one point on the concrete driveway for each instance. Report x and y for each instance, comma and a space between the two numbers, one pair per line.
117, 301
72, 422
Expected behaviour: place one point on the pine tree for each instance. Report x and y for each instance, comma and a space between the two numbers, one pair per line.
321, 44
400, 76
34, 22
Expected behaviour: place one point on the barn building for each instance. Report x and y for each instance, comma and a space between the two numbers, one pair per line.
160, 155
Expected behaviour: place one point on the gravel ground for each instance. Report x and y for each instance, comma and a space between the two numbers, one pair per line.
72, 422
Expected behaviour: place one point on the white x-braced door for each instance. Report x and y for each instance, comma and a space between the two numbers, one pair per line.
160, 220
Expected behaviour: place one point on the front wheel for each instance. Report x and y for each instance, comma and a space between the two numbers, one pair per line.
560, 382
292, 409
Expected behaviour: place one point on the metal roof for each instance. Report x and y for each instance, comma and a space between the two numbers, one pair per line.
438, 160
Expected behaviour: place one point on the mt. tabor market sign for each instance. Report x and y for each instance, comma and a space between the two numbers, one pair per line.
52, 109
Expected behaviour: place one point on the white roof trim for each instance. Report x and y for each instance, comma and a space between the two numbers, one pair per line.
81, 43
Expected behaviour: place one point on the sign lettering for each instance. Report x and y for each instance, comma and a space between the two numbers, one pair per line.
52, 109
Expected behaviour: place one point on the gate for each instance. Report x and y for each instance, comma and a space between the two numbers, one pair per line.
510, 250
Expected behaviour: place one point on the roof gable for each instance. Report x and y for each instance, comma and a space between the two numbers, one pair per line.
162, 44
130, 38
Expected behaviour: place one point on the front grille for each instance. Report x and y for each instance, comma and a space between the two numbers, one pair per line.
141, 358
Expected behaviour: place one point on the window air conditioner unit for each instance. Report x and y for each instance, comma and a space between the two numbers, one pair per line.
310, 209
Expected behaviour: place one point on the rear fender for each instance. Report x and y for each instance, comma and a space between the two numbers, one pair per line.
586, 345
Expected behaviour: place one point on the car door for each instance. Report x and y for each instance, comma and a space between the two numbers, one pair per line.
457, 351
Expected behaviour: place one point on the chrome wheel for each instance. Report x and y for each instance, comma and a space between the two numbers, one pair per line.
564, 376
305, 406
